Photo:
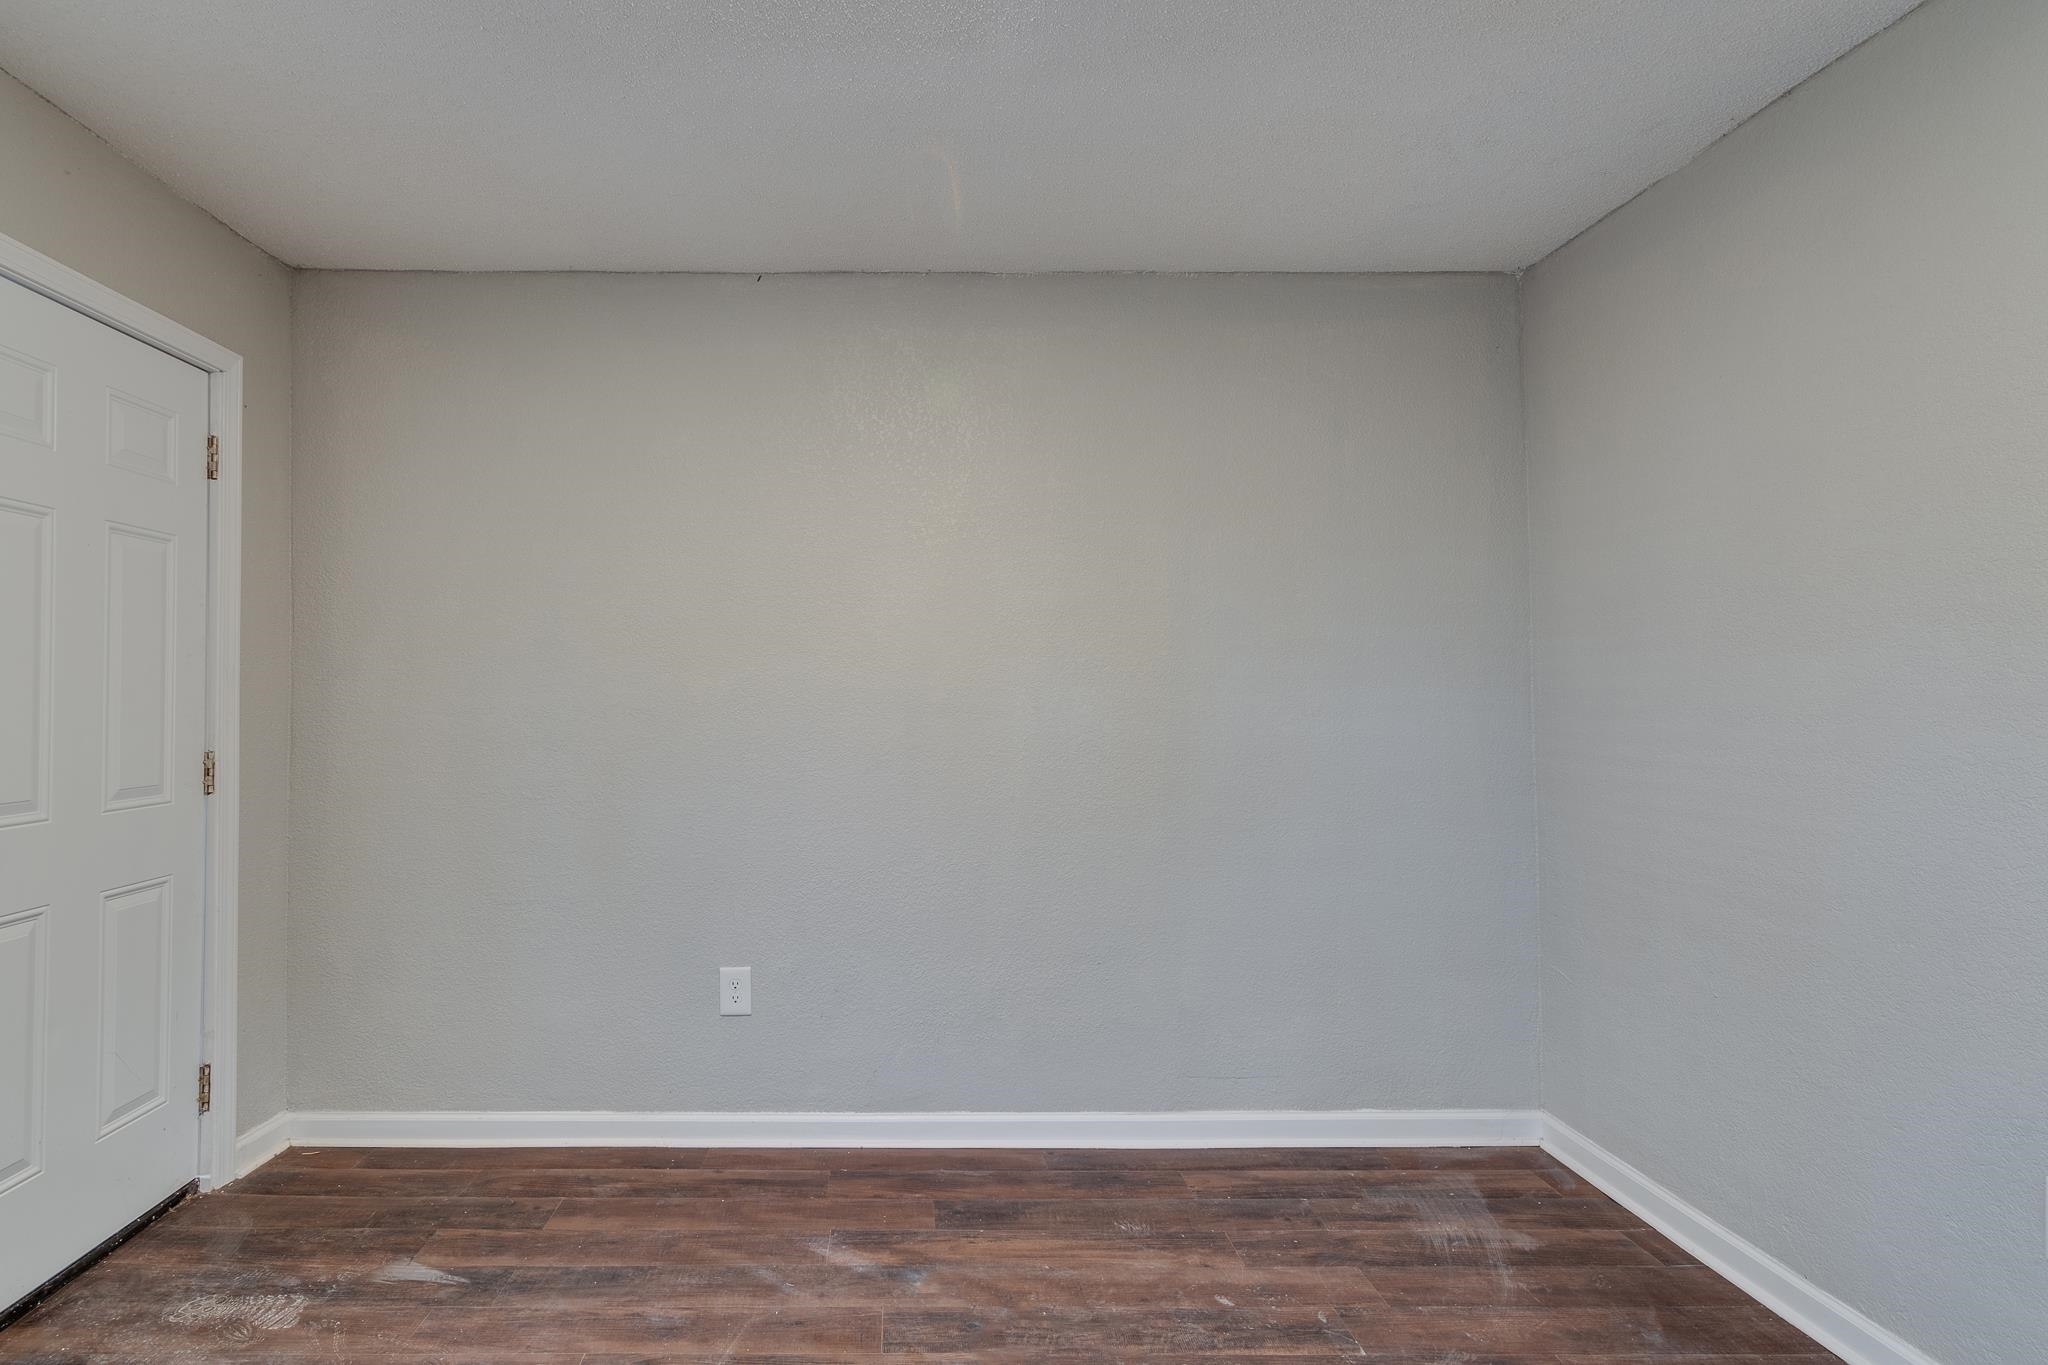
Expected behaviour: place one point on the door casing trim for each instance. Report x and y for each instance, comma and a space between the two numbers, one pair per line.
53, 279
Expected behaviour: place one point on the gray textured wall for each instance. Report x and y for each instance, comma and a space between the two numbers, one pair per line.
71, 196
1066, 693
1788, 432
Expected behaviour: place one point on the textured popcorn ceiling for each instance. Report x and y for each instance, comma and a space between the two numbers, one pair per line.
1006, 135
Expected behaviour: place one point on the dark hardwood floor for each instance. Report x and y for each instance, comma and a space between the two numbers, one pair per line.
605, 1256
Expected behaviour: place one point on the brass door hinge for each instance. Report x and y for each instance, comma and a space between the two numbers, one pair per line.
205, 1086
213, 457
206, 774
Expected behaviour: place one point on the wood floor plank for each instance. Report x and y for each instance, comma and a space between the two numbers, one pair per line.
231, 1210
1194, 1332
1818, 1357
496, 1356
1139, 1356
344, 1351
873, 1159
1127, 1216
555, 1327
723, 1358
1548, 1286
1470, 1159
1224, 1159
400, 1282
1476, 1184
1386, 1207
1130, 1284
1136, 1285
331, 1158
530, 1158
355, 1181
641, 1183
1111, 1184
210, 1327
1475, 1246
1661, 1247
1659, 1333
1565, 1180
174, 1243
681, 1256
1192, 1252
820, 1213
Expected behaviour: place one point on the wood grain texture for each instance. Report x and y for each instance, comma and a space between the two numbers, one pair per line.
608, 1256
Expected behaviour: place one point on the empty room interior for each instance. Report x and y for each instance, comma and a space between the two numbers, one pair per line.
778, 681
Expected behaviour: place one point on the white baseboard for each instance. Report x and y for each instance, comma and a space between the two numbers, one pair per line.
262, 1142
1814, 1311
1219, 1128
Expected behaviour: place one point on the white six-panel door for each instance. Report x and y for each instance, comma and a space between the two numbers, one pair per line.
103, 538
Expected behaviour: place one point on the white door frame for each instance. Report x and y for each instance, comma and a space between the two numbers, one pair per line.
53, 279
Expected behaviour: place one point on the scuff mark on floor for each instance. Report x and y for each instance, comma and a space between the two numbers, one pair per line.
407, 1270
732, 1343
262, 1312
828, 1249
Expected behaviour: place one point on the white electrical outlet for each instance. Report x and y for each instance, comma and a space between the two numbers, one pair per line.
735, 990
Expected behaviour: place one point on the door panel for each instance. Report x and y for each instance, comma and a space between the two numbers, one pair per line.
24, 663
135, 994
141, 682
142, 438
27, 397
103, 533
24, 992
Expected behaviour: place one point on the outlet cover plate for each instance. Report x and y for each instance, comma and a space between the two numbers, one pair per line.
735, 990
